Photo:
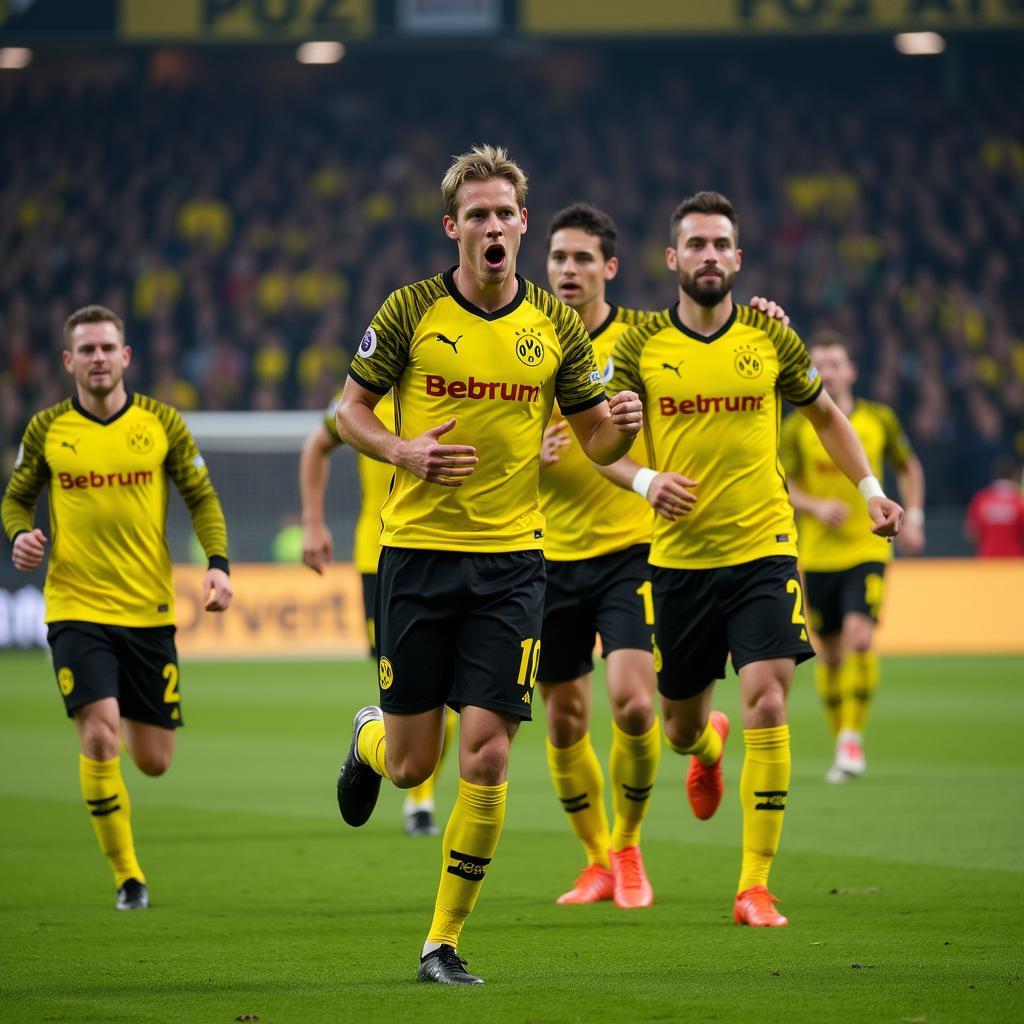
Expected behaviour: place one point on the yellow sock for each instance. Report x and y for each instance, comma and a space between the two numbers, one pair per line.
707, 749
859, 683
424, 792
106, 796
372, 747
467, 848
764, 786
579, 783
633, 765
827, 682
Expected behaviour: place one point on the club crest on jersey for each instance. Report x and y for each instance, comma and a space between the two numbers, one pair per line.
748, 363
140, 440
529, 346
369, 343
387, 674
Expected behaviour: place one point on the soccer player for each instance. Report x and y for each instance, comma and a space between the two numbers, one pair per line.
843, 562
995, 516
476, 356
318, 550
107, 456
711, 374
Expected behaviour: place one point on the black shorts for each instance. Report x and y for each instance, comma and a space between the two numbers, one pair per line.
136, 664
369, 597
753, 612
608, 595
458, 628
831, 596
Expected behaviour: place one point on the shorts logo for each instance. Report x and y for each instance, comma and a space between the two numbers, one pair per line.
529, 347
748, 363
369, 343
66, 680
387, 674
472, 869
140, 440
658, 660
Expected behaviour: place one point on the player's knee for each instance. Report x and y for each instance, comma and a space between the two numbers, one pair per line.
487, 764
100, 740
567, 722
767, 708
634, 714
153, 762
411, 771
683, 734
858, 641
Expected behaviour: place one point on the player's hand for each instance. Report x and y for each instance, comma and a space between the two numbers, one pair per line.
627, 412
28, 550
670, 497
556, 437
770, 308
911, 538
317, 546
217, 591
887, 515
831, 512
444, 464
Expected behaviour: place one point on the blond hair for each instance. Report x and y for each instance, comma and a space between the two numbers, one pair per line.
482, 163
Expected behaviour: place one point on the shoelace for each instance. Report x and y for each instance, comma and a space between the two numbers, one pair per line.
450, 958
632, 876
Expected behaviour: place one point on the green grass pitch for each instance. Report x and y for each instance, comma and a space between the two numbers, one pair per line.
904, 890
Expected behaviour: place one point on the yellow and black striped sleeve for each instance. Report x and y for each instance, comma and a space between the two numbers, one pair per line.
330, 419
31, 473
384, 349
187, 468
625, 315
578, 383
898, 451
789, 445
627, 352
799, 382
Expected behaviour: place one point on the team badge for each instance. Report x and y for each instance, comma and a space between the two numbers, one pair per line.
66, 680
748, 363
387, 674
140, 440
369, 343
529, 346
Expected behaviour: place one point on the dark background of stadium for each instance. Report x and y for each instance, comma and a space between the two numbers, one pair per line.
248, 214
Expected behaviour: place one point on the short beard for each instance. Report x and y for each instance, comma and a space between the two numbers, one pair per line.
704, 295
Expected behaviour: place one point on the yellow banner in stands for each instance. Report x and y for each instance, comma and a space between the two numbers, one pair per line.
244, 20
277, 611
728, 17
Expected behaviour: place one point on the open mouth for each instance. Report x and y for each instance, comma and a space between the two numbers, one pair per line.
494, 256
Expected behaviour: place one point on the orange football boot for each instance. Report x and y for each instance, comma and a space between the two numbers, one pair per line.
632, 889
704, 783
755, 906
594, 885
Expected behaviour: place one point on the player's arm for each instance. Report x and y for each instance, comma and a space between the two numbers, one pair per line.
18, 508
314, 474
844, 448
830, 511
910, 480
424, 456
187, 468
671, 495
606, 431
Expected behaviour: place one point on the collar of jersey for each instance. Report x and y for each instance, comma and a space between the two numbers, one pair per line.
610, 319
453, 291
77, 405
673, 313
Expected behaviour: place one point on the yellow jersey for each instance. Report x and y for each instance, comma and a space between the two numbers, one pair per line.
712, 412
498, 374
108, 560
374, 483
833, 549
586, 514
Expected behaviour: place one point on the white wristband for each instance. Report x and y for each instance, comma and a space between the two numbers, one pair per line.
642, 480
870, 488
914, 516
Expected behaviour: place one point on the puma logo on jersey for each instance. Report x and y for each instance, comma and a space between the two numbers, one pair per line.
448, 341
674, 369
71, 444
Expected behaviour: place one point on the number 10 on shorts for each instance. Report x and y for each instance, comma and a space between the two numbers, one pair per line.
528, 665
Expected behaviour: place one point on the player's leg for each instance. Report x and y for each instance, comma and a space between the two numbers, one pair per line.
566, 661
499, 650
823, 590
690, 652
862, 600
767, 638
418, 809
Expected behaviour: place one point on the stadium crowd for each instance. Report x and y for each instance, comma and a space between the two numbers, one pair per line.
246, 216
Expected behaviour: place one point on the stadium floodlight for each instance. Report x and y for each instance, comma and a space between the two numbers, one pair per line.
14, 58
320, 53
919, 44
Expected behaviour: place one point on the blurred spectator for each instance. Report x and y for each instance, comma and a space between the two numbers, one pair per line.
995, 516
